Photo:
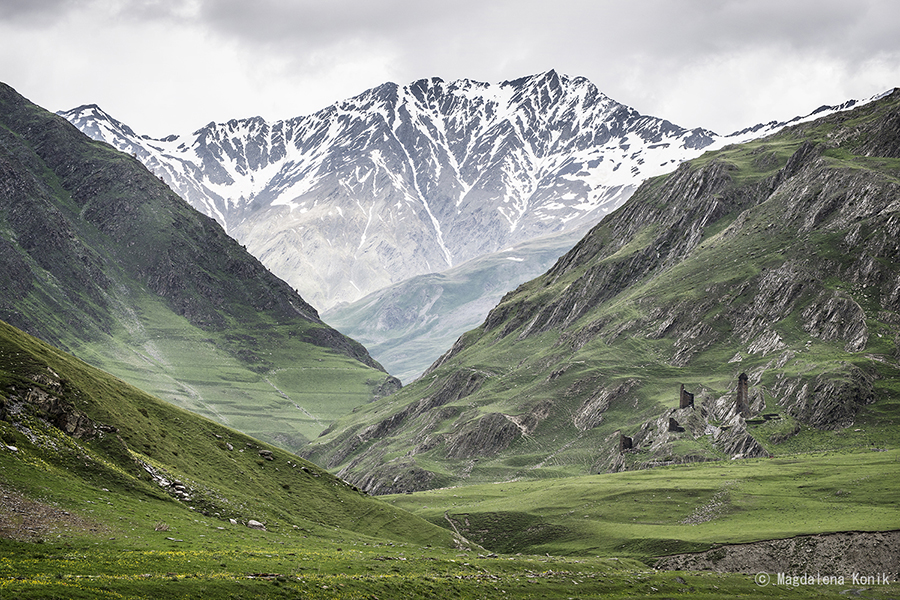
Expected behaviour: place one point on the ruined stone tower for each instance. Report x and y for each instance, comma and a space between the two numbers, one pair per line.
687, 399
742, 402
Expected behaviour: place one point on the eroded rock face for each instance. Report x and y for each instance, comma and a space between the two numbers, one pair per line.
591, 412
459, 385
46, 399
396, 477
737, 442
837, 554
828, 400
837, 317
487, 436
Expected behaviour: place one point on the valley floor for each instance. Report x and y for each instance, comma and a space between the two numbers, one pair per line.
105, 570
599, 540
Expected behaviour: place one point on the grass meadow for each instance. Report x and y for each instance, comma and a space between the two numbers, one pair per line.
581, 537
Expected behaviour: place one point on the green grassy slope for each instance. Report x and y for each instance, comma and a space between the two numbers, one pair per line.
301, 390
99, 257
80, 517
127, 442
684, 508
82, 514
778, 259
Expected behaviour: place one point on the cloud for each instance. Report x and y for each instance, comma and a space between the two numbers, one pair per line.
278, 21
37, 13
722, 64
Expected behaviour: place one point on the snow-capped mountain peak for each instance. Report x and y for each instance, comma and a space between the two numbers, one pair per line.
402, 180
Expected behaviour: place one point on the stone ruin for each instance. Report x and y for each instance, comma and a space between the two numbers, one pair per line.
674, 426
625, 443
687, 399
742, 402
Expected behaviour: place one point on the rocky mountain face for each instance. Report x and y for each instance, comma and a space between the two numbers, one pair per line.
101, 258
407, 180
743, 305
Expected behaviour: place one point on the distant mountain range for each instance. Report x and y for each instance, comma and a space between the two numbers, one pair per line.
408, 325
407, 181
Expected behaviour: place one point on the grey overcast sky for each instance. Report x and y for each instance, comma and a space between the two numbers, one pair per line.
171, 66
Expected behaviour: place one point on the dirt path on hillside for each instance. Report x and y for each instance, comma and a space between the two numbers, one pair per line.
29, 521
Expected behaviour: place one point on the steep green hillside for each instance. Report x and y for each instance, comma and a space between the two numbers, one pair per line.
407, 326
778, 259
87, 459
72, 432
107, 492
101, 258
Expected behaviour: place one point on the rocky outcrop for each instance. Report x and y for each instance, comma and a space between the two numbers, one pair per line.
390, 385
487, 436
828, 400
395, 477
46, 399
735, 441
832, 554
590, 414
837, 317
459, 385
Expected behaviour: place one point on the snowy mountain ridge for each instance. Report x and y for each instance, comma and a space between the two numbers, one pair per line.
405, 180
